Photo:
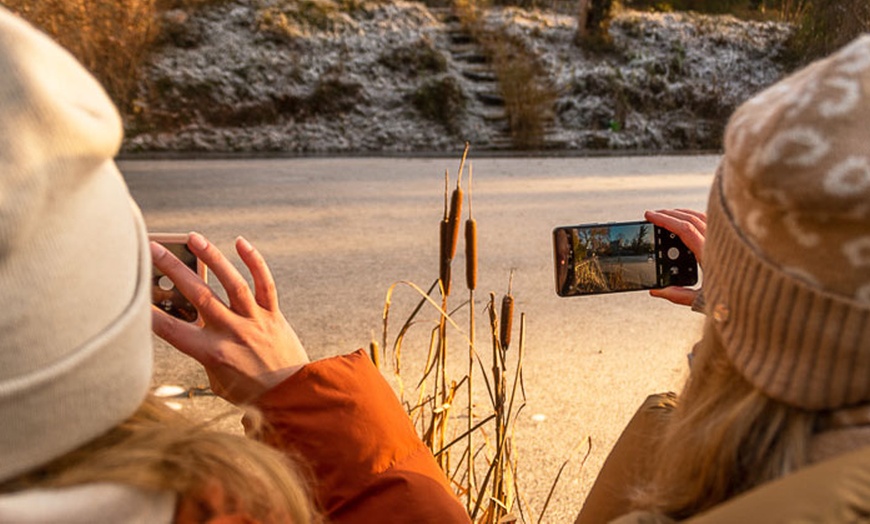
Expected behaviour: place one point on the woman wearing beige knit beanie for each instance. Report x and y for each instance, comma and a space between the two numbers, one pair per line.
777, 406
81, 441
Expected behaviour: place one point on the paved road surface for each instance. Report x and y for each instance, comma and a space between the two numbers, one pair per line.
339, 232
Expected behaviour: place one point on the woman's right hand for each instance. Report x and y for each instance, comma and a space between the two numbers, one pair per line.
246, 344
691, 227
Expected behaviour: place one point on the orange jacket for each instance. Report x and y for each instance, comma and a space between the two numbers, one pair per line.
369, 465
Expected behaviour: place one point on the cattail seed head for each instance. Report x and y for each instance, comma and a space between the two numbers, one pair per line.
454, 219
507, 319
471, 253
445, 259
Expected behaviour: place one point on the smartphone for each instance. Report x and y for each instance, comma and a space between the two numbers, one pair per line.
623, 256
164, 294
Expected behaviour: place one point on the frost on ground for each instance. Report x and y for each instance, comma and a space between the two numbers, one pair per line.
262, 76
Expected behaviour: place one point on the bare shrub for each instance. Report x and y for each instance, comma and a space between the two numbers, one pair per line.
824, 27
419, 58
528, 96
441, 100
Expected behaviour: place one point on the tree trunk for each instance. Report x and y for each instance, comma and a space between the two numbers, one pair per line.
582, 20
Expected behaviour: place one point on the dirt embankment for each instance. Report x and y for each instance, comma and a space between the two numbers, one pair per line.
266, 76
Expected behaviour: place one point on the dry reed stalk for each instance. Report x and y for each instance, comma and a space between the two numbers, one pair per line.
471, 283
559, 475
397, 346
449, 239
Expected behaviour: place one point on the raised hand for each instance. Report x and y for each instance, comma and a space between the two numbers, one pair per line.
247, 346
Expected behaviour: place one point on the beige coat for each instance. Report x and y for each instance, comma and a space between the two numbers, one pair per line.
835, 489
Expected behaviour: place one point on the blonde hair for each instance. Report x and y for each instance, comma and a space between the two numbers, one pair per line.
725, 438
159, 449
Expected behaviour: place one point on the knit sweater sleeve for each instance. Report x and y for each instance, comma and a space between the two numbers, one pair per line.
343, 419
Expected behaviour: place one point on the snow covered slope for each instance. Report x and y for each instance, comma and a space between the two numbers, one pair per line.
259, 76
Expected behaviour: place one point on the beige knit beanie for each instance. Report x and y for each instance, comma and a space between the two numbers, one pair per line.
75, 342
787, 258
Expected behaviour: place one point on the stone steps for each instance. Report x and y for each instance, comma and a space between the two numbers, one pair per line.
475, 66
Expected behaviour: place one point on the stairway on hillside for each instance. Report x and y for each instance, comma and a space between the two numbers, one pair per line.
476, 68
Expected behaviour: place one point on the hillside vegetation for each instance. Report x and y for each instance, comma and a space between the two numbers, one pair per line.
303, 76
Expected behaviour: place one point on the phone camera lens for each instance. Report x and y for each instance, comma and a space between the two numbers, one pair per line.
165, 283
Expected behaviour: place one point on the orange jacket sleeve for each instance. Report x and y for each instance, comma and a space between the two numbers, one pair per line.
343, 419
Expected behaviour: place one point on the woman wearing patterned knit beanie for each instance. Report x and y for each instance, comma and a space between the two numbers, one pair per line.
780, 382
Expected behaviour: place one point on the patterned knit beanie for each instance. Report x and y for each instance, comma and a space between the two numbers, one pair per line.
787, 258
75, 342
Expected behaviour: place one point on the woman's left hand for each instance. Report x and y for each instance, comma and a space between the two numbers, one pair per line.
247, 346
691, 227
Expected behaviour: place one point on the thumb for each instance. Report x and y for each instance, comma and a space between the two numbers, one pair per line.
678, 295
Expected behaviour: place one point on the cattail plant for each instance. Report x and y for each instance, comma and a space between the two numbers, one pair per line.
450, 224
471, 283
470, 240
491, 496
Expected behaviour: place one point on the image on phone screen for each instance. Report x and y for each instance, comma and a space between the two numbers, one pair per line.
627, 256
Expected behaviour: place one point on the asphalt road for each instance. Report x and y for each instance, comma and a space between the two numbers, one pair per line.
339, 232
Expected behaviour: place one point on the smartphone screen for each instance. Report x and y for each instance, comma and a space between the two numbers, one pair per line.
164, 294
626, 256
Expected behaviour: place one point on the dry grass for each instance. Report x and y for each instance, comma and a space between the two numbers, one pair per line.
824, 27
476, 453
528, 94
112, 39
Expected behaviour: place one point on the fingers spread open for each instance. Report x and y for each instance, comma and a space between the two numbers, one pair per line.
264, 284
191, 286
238, 292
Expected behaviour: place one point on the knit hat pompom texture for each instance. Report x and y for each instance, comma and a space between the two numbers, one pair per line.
75, 343
787, 274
